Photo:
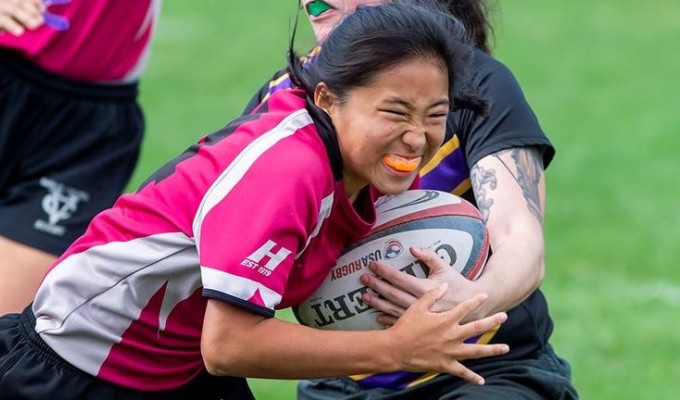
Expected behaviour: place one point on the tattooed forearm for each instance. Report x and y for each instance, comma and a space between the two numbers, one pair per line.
529, 167
481, 179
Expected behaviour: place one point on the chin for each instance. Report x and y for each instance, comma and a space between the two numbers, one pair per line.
322, 33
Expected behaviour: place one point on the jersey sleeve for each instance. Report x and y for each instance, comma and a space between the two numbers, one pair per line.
510, 121
259, 219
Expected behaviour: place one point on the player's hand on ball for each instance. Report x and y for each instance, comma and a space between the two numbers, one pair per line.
436, 339
398, 290
18, 15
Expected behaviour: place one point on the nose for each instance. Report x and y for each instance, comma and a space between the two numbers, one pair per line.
415, 137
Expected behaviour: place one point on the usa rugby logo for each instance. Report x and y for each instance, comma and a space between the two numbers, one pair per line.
392, 249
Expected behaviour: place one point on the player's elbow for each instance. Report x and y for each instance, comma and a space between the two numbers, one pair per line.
531, 248
214, 364
535, 255
540, 271
220, 359
227, 339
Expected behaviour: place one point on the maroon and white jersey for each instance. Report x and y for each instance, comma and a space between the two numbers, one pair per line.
97, 40
253, 215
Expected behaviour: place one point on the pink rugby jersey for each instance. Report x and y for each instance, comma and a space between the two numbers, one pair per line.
101, 41
252, 215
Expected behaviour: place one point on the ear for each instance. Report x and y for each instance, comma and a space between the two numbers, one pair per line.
323, 97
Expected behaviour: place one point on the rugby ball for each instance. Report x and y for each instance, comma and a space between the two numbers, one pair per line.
446, 223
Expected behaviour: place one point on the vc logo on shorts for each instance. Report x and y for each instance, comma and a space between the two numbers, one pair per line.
60, 203
266, 253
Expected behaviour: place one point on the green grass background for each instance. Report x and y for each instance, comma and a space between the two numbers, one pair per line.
603, 78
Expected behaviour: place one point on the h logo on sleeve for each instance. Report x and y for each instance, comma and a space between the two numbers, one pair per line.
266, 253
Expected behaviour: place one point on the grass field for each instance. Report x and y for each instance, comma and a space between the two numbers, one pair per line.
603, 78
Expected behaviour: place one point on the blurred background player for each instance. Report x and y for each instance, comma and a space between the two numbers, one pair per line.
497, 161
71, 127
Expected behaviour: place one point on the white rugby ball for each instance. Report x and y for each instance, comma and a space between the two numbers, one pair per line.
446, 223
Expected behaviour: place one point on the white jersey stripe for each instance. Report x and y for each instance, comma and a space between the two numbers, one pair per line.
324, 213
239, 167
238, 286
113, 289
153, 13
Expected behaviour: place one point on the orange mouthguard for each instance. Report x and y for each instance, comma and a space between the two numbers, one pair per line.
400, 163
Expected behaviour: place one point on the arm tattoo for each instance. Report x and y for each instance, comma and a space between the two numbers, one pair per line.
482, 178
529, 166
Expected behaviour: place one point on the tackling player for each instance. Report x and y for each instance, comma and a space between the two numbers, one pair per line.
495, 160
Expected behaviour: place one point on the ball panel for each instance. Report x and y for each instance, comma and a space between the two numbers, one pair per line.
391, 207
460, 209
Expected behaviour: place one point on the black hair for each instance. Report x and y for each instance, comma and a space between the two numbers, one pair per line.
375, 38
474, 14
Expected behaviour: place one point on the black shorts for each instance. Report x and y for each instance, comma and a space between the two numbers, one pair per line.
29, 370
68, 150
541, 376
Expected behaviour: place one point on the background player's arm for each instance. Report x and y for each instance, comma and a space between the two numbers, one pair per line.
18, 15
509, 187
237, 342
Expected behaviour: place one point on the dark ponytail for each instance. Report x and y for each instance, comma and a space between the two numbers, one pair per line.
474, 14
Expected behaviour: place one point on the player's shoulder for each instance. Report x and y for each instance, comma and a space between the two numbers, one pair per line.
285, 120
283, 111
486, 62
489, 70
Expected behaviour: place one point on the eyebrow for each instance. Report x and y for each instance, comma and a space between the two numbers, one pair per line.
398, 101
